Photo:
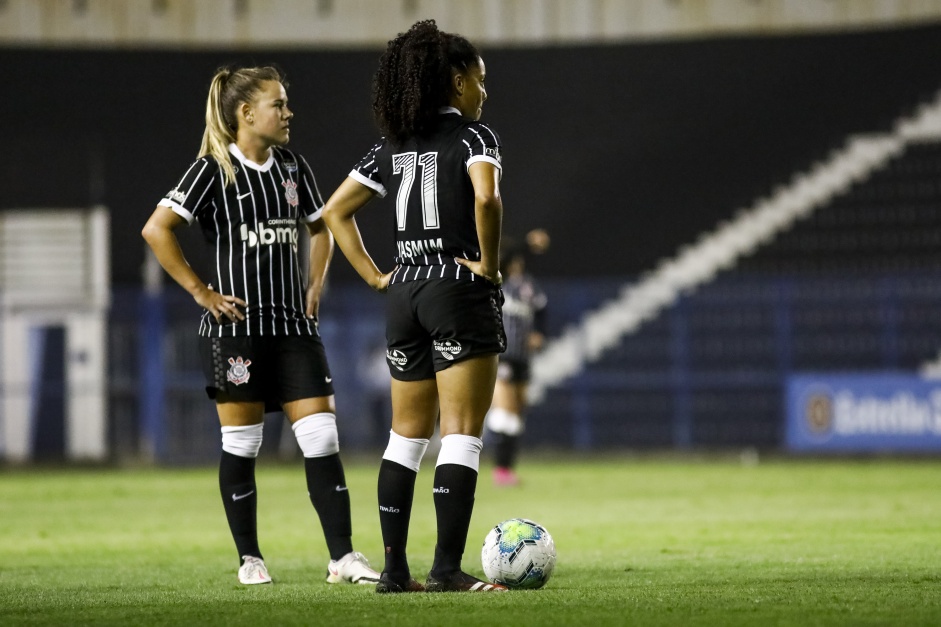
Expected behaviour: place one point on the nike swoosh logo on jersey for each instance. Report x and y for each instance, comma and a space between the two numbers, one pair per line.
241, 196
239, 497
328, 379
342, 488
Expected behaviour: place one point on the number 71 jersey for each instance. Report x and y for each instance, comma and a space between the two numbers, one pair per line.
434, 199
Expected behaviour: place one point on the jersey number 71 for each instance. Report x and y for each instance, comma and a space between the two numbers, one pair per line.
405, 164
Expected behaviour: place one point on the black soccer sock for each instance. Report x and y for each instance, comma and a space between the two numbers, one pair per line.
454, 489
506, 450
237, 485
326, 485
396, 491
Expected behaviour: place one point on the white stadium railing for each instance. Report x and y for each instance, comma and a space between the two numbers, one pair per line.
579, 345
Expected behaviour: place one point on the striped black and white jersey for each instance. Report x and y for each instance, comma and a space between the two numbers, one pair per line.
434, 198
253, 227
524, 309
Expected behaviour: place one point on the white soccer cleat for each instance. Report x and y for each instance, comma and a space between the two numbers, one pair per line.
253, 571
352, 567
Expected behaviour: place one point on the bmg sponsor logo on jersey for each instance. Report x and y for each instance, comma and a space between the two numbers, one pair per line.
449, 349
274, 231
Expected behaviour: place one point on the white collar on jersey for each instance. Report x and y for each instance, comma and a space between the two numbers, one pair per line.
251, 164
444, 110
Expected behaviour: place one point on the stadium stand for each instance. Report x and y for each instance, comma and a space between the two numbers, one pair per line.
692, 129
833, 272
838, 271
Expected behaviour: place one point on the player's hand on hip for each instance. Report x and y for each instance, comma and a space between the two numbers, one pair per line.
221, 305
382, 282
313, 303
477, 268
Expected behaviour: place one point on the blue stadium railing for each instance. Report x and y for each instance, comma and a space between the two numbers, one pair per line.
708, 372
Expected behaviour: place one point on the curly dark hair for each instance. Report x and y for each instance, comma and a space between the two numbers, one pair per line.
414, 79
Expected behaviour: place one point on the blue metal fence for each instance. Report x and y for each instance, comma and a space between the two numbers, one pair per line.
708, 372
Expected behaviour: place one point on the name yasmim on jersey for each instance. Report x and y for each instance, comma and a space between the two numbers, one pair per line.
274, 231
416, 247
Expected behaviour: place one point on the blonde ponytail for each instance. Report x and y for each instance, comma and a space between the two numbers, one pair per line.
230, 88
218, 134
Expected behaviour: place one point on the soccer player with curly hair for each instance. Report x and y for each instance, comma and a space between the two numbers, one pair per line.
441, 168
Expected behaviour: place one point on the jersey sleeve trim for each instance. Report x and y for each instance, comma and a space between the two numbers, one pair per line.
379, 188
308, 218
486, 158
189, 196
177, 208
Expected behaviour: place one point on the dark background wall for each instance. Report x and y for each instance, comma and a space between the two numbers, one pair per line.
623, 152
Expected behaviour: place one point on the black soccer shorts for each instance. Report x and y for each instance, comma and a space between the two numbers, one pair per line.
432, 324
273, 369
513, 370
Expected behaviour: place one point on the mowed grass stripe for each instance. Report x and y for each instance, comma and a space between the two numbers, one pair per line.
640, 541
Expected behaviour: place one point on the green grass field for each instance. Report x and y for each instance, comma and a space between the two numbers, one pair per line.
640, 541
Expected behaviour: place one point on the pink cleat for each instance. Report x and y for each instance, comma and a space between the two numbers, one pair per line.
505, 477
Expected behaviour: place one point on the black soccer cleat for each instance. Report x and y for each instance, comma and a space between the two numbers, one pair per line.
387, 585
461, 582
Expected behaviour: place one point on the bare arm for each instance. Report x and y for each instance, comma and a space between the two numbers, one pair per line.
488, 213
321, 252
339, 214
158, 232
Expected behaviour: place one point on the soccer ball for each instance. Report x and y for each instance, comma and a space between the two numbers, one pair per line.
518, 553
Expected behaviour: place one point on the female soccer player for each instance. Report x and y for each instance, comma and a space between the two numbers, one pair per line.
258, 335
443, 325
524, 317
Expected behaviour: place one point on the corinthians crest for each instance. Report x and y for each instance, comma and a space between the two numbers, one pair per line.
238, 370
290, 192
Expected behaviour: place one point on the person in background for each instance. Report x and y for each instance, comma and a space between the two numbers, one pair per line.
524, 319
258, 336
441, 168
373, 374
